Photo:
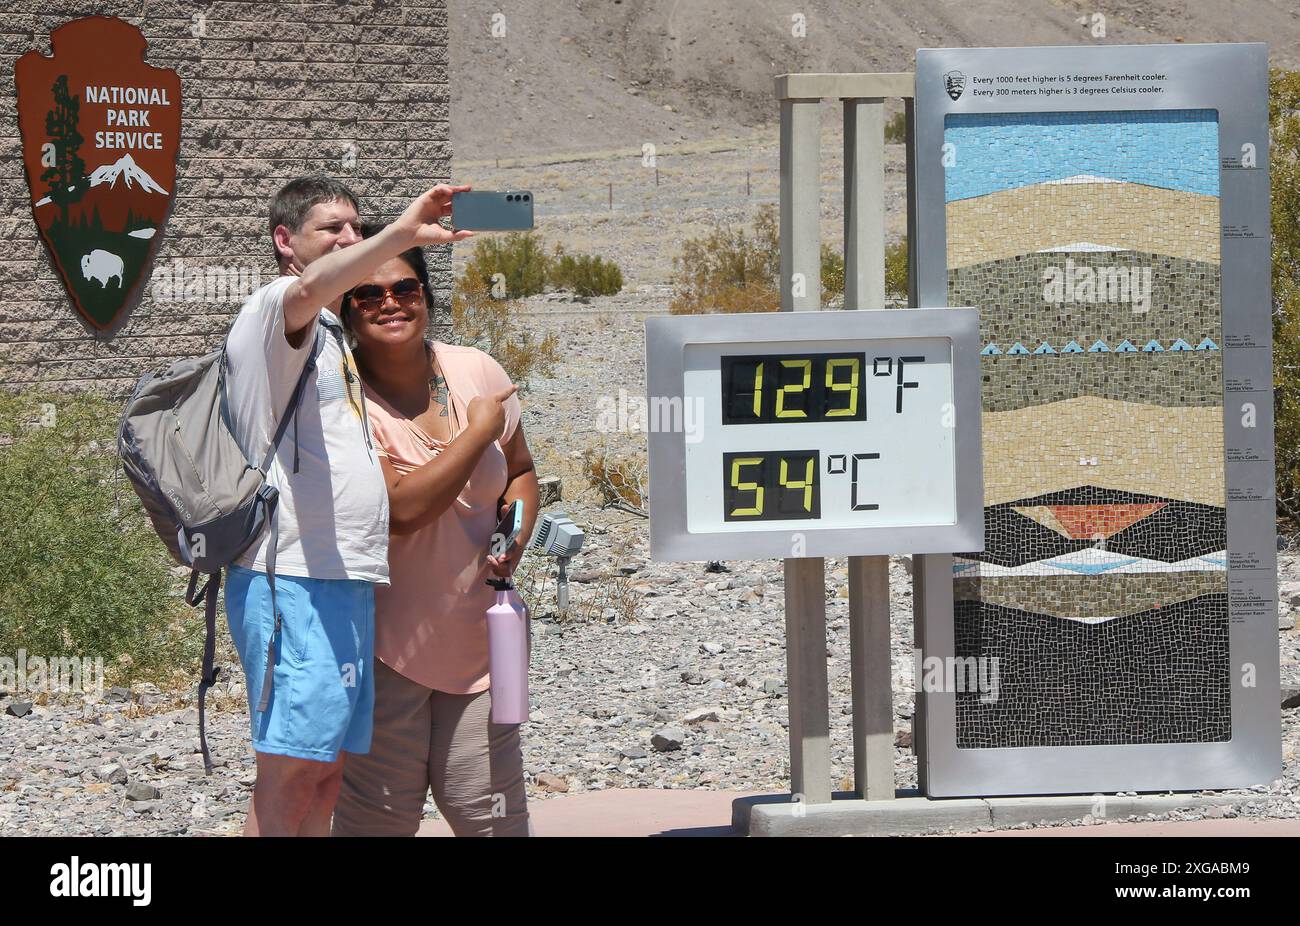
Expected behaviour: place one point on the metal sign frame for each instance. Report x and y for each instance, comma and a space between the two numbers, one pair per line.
666, 340
1231, 79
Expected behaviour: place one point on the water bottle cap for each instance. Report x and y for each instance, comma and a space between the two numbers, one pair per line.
501, 585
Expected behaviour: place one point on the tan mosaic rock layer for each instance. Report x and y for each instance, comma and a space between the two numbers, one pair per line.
1085, 597
1121, 215
1170, 452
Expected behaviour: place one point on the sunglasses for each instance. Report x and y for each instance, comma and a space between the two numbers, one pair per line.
370, 296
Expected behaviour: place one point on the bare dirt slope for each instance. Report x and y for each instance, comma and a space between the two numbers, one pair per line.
571, 75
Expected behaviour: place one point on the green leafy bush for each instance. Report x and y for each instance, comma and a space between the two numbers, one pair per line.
520, 259
896, 270
517, 265
81, 571
585, 275
832, 273
896, 128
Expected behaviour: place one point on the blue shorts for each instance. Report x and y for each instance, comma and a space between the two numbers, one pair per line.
323, 691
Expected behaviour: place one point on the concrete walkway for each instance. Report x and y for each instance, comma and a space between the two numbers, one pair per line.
626, 812
1237, 827
666, 812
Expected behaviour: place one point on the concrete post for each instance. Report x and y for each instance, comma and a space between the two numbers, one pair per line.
864, 204
805, 579
864, 288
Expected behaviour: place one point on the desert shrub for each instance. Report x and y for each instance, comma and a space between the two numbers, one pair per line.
896, 128
81, 571
731, 270
1284, 126
584, 274
754, 298
621, 482
896, 270
519, 257
525, 268
494, 326
832, 273
612, 599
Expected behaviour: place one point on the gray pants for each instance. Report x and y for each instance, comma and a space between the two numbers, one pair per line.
430, 739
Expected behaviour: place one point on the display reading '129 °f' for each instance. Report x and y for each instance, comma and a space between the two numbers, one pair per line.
787, 434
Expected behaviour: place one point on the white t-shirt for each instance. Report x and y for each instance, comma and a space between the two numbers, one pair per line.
333, 513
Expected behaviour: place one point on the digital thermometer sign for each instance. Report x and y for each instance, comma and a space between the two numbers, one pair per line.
813, 433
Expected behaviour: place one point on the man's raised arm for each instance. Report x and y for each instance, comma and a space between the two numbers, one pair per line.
324, 281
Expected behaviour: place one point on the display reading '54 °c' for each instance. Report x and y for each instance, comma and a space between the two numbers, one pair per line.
766, 389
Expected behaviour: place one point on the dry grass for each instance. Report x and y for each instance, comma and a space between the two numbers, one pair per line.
495, 327
620, 481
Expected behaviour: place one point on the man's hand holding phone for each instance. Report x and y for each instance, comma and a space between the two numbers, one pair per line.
420, 219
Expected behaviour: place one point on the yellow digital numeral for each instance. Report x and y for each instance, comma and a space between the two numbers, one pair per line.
781, 411
851, 386
754, 487
758, 392
806, 484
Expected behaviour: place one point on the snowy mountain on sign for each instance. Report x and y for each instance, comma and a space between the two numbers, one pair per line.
129, 172
125, 169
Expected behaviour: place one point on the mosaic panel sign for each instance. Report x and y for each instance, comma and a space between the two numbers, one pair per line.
1089, 201
1103, 458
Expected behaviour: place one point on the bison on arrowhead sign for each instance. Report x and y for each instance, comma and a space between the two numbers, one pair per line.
100, 133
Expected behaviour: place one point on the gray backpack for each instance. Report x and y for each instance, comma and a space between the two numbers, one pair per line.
207, 501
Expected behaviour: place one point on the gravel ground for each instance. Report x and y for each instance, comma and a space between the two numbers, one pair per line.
665, 675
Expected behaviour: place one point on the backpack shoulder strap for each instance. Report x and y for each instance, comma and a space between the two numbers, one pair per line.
208, 595
294, 400
336, 330
223, 364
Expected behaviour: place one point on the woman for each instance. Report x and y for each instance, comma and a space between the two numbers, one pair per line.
448, 435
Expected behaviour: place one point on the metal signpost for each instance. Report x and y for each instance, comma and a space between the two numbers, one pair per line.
822, 435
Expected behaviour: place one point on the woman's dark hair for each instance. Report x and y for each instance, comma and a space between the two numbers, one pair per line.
413, 256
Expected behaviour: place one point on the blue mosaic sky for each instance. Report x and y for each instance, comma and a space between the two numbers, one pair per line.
1174, 149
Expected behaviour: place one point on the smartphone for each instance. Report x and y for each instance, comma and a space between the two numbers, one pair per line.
507, 529
492, 210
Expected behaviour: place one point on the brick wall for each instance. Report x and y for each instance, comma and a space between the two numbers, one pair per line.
271, 91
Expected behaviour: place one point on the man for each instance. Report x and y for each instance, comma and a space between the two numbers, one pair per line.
308, 658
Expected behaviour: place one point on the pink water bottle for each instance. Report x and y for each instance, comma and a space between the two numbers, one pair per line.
522, 610
507, 655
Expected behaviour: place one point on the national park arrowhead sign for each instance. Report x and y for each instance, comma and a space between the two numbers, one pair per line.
100, 133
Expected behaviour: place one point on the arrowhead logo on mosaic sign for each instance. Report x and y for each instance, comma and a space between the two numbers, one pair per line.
954, 82
100, 134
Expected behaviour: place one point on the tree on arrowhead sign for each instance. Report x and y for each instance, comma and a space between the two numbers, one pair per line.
100, 134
